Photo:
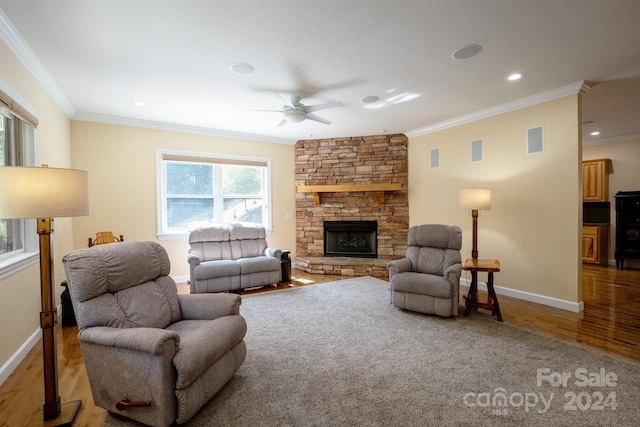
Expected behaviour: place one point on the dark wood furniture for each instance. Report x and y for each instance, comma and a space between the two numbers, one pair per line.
627, 226
490, 266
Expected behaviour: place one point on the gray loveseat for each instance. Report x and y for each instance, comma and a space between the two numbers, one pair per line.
230, 258
151, 355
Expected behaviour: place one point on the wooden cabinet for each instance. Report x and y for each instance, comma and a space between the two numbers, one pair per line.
595, 180
627, 226
595, 244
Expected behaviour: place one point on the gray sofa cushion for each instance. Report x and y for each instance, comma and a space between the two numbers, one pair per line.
425, 284
218, 268
258, 264
433, 248
210, 244
118, 275
247, 241
203, 342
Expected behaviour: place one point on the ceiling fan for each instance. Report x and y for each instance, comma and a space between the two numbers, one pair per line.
295, 111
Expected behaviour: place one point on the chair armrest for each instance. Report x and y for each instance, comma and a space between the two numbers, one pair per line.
148, 340
208, 306
273, 252
453, 273
193, 259
399, 266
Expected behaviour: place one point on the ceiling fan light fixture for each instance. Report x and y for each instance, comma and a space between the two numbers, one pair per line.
294, 116
466, 52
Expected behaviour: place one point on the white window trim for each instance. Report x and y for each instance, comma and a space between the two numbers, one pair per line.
31, 255
160, 211
13, 264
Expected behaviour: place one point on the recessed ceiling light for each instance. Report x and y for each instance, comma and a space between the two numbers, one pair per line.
515, 76
594, 133
370, 99
467, 52
139, 103
242, 68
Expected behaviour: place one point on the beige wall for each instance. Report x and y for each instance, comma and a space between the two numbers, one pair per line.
20, 293
624, 176
534, 223
122, 182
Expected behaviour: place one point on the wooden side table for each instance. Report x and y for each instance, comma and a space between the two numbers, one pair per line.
491, 266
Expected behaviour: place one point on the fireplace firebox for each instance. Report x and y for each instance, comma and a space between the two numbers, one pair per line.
358, 239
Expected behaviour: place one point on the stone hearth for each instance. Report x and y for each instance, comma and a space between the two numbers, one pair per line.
343, 266
378, 159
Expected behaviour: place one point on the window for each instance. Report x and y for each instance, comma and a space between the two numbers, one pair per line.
18, 238
196, 189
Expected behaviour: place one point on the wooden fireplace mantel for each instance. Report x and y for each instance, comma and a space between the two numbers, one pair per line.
346, 188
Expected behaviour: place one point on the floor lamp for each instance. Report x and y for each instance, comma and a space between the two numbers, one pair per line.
475, 199
44, 193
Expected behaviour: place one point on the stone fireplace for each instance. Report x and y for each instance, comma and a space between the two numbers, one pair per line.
351, 179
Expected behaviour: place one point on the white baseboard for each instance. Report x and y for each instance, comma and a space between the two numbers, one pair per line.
7, 369
574, 307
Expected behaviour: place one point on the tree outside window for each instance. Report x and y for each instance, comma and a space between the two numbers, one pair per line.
208, 190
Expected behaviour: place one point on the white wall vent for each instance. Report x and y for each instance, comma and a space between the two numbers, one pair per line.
535, 140
477, 150
435, 158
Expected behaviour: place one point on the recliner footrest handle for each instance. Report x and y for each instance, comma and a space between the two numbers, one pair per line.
125, 404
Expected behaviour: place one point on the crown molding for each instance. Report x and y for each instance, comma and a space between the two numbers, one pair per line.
171, 127
571, 89
10, 35
612, 140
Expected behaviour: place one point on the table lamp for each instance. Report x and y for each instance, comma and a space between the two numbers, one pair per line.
475, 199
43, 193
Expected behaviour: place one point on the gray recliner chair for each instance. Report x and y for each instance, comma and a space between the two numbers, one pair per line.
428, 279
151, 354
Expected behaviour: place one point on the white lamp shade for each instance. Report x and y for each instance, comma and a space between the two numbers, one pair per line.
475, 198
34, 192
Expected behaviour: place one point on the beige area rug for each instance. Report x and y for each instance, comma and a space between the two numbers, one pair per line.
339, 354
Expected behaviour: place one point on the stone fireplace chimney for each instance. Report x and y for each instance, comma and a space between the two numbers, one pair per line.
377, 160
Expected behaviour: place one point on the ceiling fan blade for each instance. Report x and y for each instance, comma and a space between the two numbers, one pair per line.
267, 111
282, 123
311, 108
317, 119
286, 100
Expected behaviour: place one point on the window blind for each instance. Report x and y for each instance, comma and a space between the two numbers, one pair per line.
15, 109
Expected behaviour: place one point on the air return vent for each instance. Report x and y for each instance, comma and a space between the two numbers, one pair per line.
477, 151
535, 140
435, 158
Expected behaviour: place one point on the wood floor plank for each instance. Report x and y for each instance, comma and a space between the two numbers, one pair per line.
610, 322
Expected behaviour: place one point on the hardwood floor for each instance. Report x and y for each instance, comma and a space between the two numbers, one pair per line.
610, 321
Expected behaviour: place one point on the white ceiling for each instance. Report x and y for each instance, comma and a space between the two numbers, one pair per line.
175, 55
